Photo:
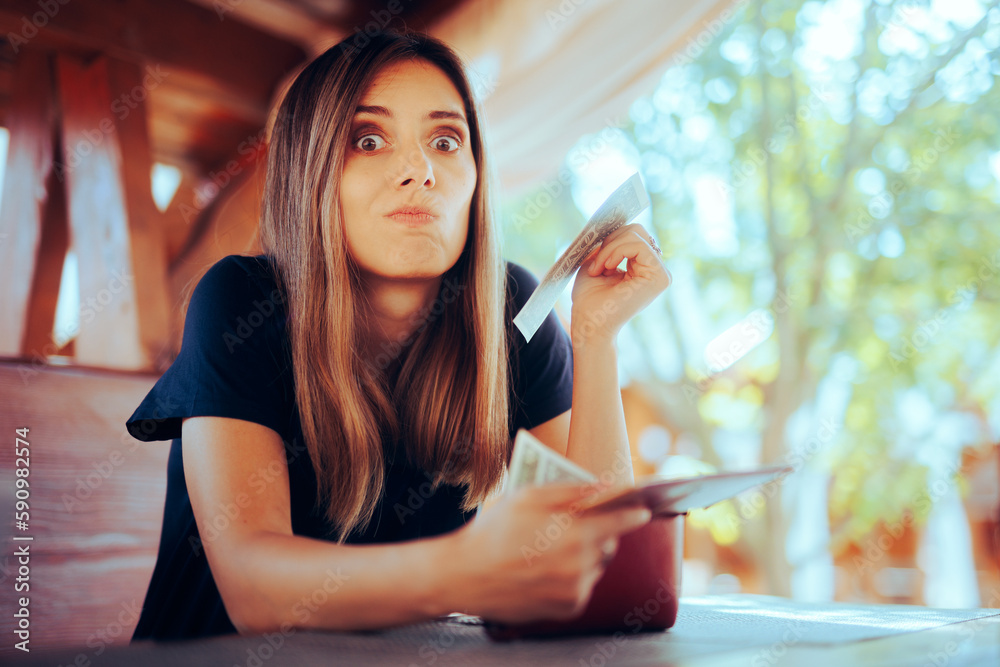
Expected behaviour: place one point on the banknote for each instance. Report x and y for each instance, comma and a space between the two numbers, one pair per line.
669, 497
628, 201
533, 463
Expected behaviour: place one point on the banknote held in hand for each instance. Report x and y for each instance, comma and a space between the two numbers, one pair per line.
534, 463
623, 205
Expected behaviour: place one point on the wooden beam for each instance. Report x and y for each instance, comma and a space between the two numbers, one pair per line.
40, 340
31, 121
235, 57
227, 225
113, 221
295, 22
148, 248
175, 224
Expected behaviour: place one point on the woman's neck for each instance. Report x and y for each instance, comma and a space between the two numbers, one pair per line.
396, 309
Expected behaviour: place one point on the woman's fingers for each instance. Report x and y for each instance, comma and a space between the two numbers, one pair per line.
566, 498
608, 549
629, 242
559, 496
614, 523
635, 250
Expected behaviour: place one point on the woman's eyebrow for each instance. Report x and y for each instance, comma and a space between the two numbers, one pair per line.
433, 115
447, 115
374, 110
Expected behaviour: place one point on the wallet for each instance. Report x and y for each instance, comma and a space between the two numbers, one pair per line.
638, 591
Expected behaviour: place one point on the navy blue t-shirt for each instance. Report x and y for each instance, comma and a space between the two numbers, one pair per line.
235, 361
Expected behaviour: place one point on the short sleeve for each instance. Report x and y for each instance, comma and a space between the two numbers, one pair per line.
542, 370
232, 361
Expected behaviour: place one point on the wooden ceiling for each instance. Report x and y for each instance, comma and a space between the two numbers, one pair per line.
93, 93
220, 60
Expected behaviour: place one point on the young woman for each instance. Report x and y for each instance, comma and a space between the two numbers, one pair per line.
343, 403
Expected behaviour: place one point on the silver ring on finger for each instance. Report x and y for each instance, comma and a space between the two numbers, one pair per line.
656, 248
608, 550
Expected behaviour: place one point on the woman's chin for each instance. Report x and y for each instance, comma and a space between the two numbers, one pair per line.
415, 265
411, 271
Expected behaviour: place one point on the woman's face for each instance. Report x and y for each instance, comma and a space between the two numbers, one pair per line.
409, 175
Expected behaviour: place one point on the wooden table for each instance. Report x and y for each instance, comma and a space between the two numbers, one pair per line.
715, 631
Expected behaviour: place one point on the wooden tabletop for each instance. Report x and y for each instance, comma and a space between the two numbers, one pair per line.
715, 631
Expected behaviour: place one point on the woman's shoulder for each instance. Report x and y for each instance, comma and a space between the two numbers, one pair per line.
234, 267
241, 276
234, 291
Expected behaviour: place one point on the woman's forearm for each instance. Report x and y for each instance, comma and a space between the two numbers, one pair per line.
598, 440
292, 581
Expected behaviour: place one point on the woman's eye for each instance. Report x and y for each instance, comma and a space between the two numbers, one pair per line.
447, 144
370, 143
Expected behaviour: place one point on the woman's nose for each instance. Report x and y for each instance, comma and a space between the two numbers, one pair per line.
414, 168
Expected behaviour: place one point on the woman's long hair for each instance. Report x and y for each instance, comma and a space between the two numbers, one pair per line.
449, 404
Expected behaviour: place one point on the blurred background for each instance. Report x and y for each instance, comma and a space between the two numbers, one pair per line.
825, 185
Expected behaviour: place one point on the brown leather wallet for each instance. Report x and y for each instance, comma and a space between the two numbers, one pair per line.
638, 591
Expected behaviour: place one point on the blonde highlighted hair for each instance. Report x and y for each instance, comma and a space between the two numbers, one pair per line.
449, 404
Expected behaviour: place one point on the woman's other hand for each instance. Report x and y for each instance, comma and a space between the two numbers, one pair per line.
533, 555
604, 296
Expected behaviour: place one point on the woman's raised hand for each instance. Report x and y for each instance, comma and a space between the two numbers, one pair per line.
605, 297
533, 555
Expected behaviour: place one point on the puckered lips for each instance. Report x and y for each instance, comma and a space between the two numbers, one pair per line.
413, 215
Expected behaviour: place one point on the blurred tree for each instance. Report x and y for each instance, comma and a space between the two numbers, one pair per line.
825, 181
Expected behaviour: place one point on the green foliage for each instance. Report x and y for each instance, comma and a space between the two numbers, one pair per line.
842, 159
